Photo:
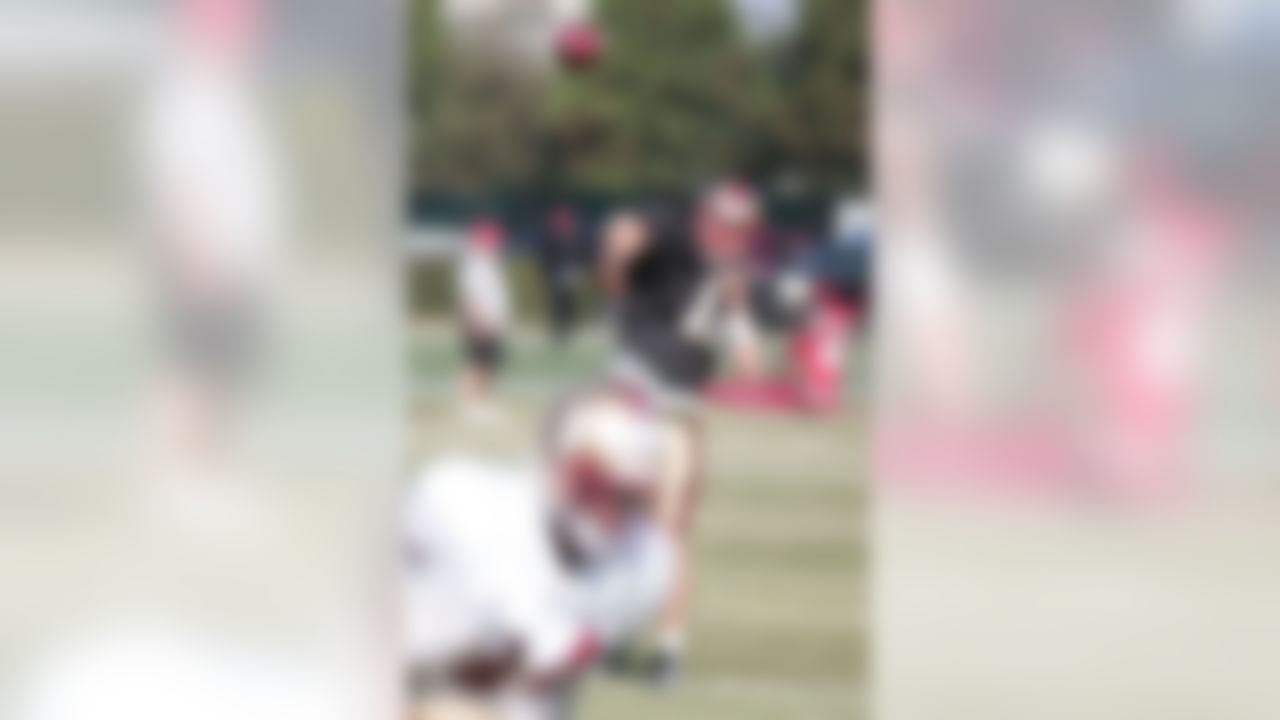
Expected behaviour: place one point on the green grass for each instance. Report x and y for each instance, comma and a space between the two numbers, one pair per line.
780, 611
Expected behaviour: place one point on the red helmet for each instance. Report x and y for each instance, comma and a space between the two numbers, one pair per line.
224, 23
728, 219
606, 456
486, 235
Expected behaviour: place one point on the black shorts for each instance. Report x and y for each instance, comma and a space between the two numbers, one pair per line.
216, 339
681, 365
485, 351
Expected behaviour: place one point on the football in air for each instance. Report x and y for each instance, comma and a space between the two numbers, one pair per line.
580, 45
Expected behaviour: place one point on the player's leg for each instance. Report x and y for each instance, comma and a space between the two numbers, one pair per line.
746, 346
485, 353
678, 501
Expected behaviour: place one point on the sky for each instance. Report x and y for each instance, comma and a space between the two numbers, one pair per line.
768, 18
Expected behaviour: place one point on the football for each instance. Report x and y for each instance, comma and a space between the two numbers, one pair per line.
579, 45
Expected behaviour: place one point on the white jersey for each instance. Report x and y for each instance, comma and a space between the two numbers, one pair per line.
482, 289
481, 568
483, 571
210, 172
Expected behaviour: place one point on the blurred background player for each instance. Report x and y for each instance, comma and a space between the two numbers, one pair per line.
214, 223
677, 280
816, 300
518, 579
484, 301
562, 259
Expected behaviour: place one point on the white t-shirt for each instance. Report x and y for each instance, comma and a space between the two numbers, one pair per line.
210, 174
483, 292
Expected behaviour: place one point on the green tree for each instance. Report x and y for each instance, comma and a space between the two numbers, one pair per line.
679, 97
473, 110
823, 119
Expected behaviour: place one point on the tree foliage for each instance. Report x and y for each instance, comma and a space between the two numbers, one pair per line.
473, 125
823, 75
669, 106
679, 97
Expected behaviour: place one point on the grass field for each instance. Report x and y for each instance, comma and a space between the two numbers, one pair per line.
781, 608
780, 618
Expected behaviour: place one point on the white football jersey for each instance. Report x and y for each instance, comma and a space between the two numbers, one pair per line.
483, 291
483, 570
210, 172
